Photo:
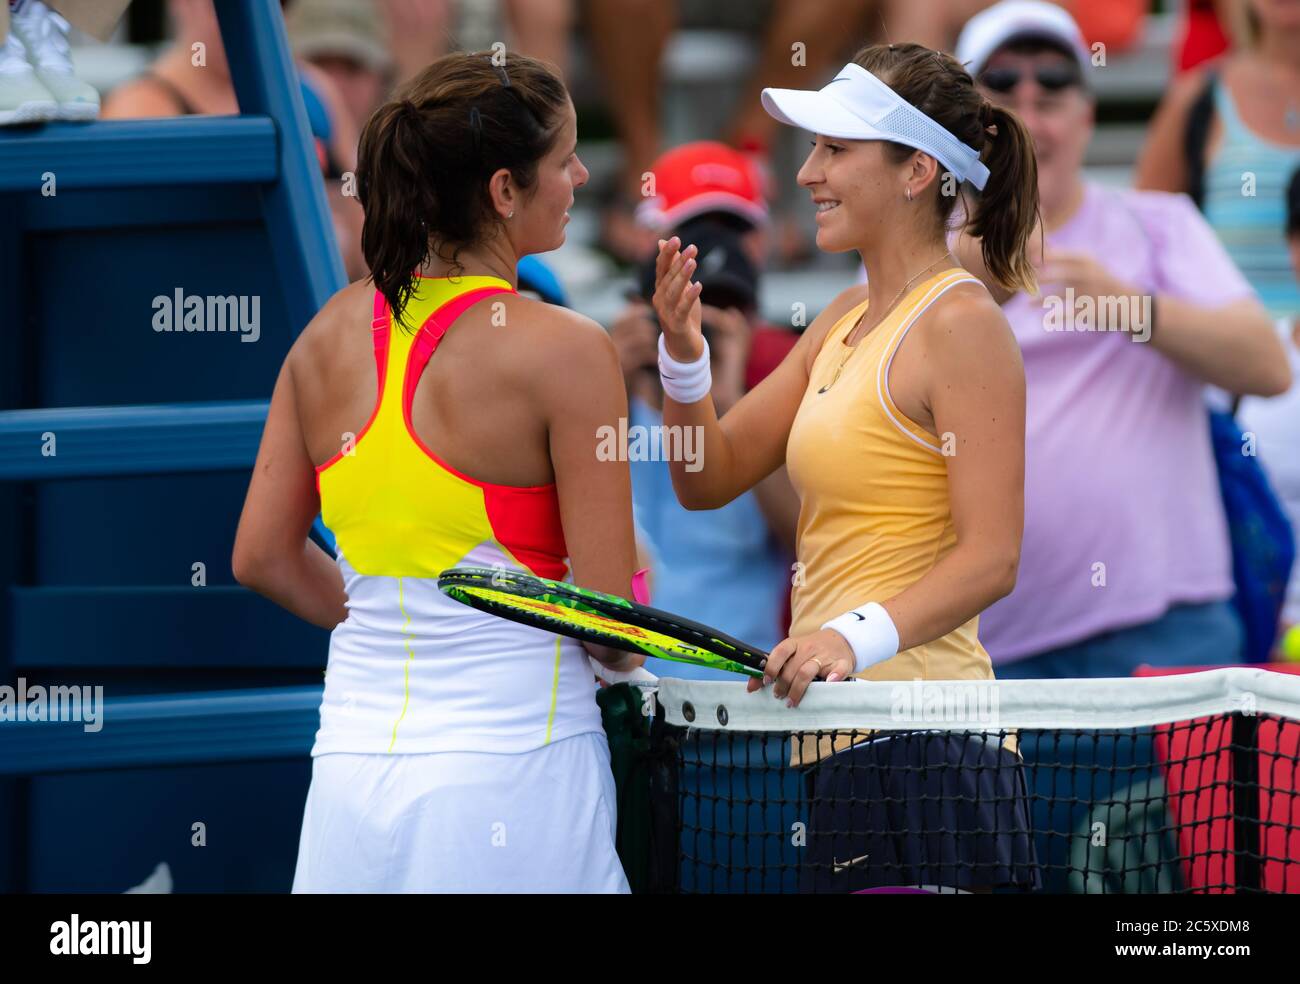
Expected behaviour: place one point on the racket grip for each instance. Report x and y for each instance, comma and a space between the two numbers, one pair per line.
637, 676
640, 589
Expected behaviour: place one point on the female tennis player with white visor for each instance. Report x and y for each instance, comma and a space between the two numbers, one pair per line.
901, 411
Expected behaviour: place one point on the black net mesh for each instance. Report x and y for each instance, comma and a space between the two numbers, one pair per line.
1206, 805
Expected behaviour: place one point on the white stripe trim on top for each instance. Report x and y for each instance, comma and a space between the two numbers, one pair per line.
882, 374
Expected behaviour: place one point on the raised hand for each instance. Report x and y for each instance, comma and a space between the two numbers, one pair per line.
677, 300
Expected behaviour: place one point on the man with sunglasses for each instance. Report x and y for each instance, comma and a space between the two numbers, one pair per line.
1125, 558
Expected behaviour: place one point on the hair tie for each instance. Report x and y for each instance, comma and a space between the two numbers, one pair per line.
501, 71
986, 119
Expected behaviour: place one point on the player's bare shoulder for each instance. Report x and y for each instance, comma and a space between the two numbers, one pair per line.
966, 326
557, 349
342, 324
560, 329
967, 303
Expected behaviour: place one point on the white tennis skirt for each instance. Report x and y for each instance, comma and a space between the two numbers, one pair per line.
539, 821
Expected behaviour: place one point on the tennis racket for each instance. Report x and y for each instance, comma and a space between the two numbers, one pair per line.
580, 613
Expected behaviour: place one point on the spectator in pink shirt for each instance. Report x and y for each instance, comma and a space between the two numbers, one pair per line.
1125, 558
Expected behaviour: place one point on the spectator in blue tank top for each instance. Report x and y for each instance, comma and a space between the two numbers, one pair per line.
1228, 134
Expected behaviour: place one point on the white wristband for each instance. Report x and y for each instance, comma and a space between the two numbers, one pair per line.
685, 382
870, 632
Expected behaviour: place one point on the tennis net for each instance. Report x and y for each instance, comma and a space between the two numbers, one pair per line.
1178, 783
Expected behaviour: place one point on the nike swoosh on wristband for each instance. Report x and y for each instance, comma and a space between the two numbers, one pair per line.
861, 617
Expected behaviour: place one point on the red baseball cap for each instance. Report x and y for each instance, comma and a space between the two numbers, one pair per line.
701, 177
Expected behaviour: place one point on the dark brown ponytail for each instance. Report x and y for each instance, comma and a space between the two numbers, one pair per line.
1007, 209
426, 156
1004, 214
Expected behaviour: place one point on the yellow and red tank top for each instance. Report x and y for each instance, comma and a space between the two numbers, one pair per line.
874, 511
410, 670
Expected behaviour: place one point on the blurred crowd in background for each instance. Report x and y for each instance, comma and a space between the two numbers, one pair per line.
1163, 479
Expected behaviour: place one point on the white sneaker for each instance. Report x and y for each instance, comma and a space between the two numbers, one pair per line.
22, 97
45, 36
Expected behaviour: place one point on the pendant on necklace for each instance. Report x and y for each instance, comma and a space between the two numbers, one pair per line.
840, 368
833, 378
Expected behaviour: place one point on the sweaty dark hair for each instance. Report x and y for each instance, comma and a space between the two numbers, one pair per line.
1003, 215
425, 158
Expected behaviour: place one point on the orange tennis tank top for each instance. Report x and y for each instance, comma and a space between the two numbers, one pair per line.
873, 488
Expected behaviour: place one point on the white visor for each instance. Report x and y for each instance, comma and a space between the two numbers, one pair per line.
855, 105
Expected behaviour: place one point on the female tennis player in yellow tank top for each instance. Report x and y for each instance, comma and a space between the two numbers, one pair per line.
900, 412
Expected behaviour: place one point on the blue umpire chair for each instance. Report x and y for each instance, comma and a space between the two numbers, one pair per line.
124, 456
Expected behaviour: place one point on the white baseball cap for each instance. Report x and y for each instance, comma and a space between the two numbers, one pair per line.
992, 28
855, 105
